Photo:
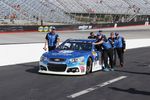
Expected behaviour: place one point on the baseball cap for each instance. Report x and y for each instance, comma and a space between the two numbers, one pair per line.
52, 28
98, 34
91, 33
100, 31
116, 33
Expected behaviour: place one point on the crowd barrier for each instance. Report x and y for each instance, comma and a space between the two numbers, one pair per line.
8, 28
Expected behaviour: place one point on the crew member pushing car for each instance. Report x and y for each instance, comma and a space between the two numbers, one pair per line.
111, 39
107, 53
99, 47
92, 36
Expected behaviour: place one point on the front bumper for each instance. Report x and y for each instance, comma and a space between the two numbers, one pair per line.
43, 68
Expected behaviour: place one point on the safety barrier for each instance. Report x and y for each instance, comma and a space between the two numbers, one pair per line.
45, 28
24, 53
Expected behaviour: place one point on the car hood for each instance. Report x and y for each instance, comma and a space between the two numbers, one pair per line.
66, 54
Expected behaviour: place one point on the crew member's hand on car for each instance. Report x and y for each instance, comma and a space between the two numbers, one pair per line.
93, 43
45, 48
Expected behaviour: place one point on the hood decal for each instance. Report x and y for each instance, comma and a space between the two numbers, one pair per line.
66, 51
63, 52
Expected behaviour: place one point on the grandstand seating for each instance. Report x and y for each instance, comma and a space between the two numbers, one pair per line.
105, 6
59, 11
35, 10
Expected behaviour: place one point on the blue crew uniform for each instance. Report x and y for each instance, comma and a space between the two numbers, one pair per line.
52, 40
120, 45
120, 42
113, 43
103, 36
108, 53
101, 48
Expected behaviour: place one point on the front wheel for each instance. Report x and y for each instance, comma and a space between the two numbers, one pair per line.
89, 66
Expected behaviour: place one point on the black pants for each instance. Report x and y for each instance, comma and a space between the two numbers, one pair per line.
114, 56
120, 54
102, 57
108, 54
51, 48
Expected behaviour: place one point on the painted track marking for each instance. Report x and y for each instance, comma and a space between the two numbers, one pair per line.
96, 87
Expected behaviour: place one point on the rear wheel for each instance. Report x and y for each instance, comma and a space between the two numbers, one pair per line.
89, 66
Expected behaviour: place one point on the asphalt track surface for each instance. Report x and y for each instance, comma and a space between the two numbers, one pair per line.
39, 37
22, 82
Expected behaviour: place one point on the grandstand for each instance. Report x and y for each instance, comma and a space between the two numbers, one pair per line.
72, 11
34, 11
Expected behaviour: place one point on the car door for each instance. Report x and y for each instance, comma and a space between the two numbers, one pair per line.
97, 60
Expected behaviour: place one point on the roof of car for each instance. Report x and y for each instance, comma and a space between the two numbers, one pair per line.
82, 40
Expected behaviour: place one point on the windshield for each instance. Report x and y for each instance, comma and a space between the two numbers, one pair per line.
75, 46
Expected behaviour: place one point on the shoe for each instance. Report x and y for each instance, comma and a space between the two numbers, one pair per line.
111, 69
106, 70
121, 65
103, 67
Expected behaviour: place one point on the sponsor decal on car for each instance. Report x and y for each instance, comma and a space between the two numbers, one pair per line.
82, 68
65, 51
94, 53
57, 60
82, 63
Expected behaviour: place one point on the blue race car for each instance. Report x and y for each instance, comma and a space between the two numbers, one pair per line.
72, 57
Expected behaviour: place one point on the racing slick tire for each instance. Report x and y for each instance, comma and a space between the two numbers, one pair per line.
89, 66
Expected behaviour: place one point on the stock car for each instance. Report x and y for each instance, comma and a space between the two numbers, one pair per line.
72, 57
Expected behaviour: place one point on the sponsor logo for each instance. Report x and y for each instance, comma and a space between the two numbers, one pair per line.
65, 51
94, 53
56, 54
82, 63
57, 60
46, 29
82, 68
40, 29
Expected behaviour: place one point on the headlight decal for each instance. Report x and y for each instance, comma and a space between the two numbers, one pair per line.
79, 59
43, 59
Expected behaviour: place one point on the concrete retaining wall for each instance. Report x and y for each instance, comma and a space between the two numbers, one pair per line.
24, 53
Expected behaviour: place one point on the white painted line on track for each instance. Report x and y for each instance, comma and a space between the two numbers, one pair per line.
96, 87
